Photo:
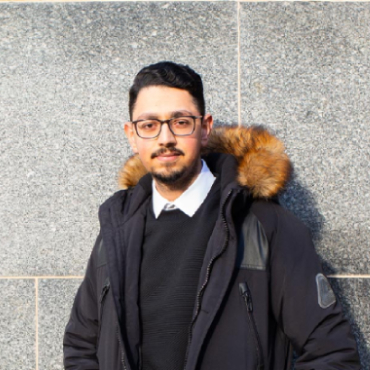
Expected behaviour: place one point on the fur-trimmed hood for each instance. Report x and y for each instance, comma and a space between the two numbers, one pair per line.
263, 165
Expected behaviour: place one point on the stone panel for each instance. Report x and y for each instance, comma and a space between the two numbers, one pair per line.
354, 297
17, 324
306, 65
345, 250
337, 220
55, 302
65, 70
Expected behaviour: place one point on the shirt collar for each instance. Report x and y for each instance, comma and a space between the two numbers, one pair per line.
191, 199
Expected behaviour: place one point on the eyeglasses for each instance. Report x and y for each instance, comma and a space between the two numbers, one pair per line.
179, 126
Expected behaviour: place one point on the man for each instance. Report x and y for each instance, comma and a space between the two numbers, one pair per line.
196, 265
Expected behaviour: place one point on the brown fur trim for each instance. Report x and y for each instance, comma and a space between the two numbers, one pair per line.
264, 167
132, 171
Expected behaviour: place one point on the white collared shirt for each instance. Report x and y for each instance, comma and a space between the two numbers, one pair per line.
191, 199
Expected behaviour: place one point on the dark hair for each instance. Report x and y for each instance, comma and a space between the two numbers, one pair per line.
168, 74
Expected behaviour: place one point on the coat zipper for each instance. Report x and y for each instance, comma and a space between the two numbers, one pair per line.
140, 359
209, 268
246, 294
120, 347
103, 294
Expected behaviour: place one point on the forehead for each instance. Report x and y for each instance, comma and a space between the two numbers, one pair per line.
161, 101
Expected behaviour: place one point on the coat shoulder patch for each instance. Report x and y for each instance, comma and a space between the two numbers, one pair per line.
326, 296
253, 244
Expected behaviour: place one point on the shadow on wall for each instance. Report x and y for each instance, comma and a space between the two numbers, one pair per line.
342, 288
302, 203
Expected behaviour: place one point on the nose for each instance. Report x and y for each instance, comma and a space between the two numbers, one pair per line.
166, 137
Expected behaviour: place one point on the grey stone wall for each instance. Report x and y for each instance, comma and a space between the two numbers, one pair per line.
302, 69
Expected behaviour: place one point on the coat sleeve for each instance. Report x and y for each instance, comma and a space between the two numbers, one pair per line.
80, 337
303, 302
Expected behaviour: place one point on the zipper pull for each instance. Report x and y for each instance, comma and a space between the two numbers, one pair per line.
104, 292
245, 293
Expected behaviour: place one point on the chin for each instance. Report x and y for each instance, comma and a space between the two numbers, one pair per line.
169, 177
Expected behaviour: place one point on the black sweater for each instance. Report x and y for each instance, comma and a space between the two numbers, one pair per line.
173, 252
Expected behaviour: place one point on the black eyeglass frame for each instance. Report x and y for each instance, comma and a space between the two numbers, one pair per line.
162, 122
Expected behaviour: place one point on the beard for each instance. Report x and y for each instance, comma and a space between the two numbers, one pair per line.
174, 179
179, 179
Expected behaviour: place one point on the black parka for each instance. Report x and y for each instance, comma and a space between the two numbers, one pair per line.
261, 290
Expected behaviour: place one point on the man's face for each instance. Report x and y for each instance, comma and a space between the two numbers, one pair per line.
172, 160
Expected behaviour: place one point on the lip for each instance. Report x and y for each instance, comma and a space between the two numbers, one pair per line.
167, 157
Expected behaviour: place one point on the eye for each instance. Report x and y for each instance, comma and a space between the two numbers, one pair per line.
182, 121
147, 125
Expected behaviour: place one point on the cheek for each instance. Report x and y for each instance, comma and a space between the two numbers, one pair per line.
143, 149
144, 152
193, 147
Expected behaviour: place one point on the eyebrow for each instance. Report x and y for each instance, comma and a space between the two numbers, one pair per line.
173, 114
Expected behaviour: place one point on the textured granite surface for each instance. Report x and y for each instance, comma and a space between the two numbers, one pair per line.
56, 297
304, 74
17, 325
354, 297
65, 70
55, 302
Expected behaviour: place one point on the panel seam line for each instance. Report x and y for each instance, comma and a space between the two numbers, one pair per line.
37, 322
349, 276
239, 67
40, 277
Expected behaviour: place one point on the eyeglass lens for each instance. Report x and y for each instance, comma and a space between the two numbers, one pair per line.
178, 126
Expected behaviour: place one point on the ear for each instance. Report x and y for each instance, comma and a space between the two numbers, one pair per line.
131, 135
206, 128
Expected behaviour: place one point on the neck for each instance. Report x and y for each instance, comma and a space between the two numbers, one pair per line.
172, 191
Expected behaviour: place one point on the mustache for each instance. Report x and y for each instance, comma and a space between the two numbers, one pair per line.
172, 150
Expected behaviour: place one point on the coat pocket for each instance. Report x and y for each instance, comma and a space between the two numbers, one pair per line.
103, 296
247, 297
